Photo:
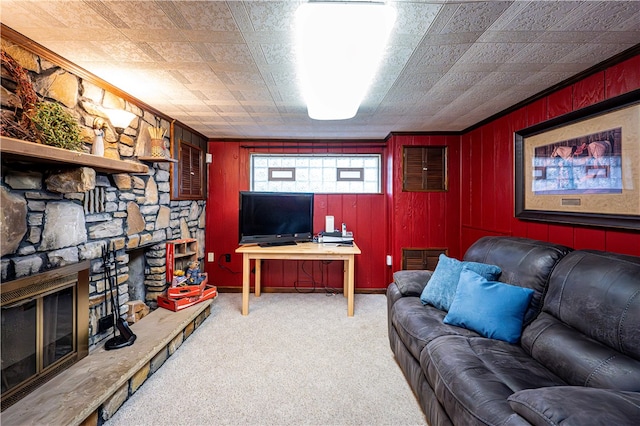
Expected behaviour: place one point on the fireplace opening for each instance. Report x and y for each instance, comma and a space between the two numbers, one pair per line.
137, 273
44, 328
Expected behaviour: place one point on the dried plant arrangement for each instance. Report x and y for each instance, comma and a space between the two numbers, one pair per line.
18, 123
56, 127
157, 132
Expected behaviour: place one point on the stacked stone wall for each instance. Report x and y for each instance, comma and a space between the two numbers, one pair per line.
55, 215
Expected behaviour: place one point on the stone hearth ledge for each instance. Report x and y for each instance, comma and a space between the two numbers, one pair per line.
97, 385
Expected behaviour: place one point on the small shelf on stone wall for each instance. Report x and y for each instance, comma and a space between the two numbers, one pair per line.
32, 152
158, 159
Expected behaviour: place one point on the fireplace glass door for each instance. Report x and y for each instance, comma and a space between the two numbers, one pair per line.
24, 352
44, 328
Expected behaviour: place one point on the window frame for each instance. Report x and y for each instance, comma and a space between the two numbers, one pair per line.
338, 155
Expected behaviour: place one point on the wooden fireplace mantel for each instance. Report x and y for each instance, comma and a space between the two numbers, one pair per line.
32, 152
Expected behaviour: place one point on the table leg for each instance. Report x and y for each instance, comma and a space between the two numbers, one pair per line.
257, 279
246, 277
345, 278
350, 284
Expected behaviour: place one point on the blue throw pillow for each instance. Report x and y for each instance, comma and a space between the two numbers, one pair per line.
493, 309
442, 285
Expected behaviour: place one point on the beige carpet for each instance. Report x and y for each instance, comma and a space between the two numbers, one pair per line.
297, 359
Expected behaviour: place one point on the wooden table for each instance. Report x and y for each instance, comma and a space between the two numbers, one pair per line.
301, 251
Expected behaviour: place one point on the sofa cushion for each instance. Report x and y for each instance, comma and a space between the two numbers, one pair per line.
491, 308
473, 377
524, 262
442, 285
411, 283
588, 331
576, 405
417, 325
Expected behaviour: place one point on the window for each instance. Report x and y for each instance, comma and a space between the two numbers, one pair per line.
424, 168
320, 173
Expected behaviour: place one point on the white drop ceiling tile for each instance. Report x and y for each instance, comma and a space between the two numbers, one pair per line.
475, 17
495, 53
523, 37
536, 15
226, 109
461, 79
603, 15
439, 54
230, 53
591, 53
526, 67
505, 79
150, 35
473, 67
628, 38
176, 51
82, 52
277, 53
203, 36
630, 23
240, 79
141, 14
423, 81
26, 15
415, 18
272, 15
71, 14
543, 53
549, 77
567, 37
207, 15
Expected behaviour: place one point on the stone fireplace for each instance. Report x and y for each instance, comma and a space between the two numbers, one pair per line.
57, 215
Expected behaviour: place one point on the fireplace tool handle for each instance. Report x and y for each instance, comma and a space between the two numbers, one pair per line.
126, 337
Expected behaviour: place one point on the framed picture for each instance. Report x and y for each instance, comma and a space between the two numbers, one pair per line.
583, 167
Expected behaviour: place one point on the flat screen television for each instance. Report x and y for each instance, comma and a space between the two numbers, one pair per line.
275, 218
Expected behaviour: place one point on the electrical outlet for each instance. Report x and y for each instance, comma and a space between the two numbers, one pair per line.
227, 258
211, 257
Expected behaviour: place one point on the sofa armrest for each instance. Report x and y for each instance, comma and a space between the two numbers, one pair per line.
577, 405
411, 283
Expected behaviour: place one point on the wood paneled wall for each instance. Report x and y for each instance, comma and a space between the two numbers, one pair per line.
487, 164
365, 215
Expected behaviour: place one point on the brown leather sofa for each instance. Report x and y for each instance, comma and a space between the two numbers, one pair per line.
577, 361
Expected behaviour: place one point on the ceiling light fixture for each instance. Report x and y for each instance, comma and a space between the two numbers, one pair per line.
339, 48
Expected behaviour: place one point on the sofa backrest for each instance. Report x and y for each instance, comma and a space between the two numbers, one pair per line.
588, 332
524, 262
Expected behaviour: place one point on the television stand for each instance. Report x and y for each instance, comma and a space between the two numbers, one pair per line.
278, 244
299, 252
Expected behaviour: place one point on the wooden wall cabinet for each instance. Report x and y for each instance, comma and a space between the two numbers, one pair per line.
421, 258
189, 172
424, 168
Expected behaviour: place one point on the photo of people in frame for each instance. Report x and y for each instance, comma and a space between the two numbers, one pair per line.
588, 164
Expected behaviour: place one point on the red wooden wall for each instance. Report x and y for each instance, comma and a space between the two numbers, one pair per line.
486, 196
365, 215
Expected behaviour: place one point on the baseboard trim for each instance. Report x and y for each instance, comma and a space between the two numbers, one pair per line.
234, 289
